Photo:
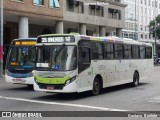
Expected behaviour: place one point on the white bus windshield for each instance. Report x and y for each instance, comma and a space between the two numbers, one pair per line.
21, 57
56, 58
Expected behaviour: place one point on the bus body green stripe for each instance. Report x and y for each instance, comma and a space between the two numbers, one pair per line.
52, 80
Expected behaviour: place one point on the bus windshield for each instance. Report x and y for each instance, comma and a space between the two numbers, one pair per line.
56, 58
21, 57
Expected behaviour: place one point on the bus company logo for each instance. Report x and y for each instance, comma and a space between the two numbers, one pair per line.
6, 114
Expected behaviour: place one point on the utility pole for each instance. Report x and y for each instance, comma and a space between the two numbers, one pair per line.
1, 38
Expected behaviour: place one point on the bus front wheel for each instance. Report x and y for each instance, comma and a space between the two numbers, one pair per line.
96, 87
135, 79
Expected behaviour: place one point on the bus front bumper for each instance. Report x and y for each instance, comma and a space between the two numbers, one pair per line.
26, 81
70, 88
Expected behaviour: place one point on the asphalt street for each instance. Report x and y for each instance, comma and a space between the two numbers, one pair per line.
145, 97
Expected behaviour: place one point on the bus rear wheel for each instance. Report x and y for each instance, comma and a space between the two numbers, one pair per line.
135, 79
96, 87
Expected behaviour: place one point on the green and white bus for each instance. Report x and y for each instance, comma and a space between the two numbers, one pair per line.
67, 63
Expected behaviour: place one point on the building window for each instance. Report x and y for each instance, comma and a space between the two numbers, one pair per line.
75, 6
114, 13
141, 36
38, 2
96, 10
145, 36
152, 3
141, 27
54, 3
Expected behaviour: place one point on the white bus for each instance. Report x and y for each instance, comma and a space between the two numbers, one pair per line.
19, 68
69, 63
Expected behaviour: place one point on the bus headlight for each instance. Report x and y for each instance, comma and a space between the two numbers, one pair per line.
70, 80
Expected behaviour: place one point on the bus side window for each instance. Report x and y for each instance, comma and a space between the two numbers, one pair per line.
97, 51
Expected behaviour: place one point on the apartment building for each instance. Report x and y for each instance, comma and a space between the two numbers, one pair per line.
148, 10
138, 15
94, 17
131, 19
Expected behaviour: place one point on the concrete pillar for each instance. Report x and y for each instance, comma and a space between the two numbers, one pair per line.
59, 27
119, 32
154, 49
23, 27
82, 29
102, 31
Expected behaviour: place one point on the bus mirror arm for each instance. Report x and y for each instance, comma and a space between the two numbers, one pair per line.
32, 49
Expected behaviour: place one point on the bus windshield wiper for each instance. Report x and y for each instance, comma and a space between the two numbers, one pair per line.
59, 51
57, 54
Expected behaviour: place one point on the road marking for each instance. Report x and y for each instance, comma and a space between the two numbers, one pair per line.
62, 104
155, 100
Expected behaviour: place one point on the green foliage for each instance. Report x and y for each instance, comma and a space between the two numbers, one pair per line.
152, 27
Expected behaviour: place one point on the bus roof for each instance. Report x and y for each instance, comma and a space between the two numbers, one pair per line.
108, 39
25, 39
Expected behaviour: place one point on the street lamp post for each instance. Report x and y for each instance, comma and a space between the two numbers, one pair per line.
1, 38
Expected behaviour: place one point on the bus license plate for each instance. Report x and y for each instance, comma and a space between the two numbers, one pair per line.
50, 88
17, 80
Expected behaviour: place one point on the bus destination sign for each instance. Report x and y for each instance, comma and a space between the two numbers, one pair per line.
25, 43
55, 39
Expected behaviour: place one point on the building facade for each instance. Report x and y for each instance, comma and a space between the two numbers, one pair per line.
94, 17
30, 18
138, 15
148, 10
131, 19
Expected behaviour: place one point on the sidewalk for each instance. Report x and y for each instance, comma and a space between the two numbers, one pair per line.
1, 78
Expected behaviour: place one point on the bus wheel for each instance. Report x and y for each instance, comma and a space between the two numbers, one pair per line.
135, 79
96, 87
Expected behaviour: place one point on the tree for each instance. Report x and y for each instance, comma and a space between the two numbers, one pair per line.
152, 27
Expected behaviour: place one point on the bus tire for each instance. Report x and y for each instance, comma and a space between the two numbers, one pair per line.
135, 82
96, 87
